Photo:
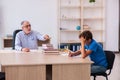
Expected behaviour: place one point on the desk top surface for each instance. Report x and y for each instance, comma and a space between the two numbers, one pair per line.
37, 57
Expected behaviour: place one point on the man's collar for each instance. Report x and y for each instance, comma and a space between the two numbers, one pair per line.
27, 34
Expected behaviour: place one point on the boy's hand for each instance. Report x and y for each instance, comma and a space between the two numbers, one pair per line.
83, 40
70, 54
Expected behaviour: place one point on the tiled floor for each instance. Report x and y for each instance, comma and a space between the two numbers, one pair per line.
115, 74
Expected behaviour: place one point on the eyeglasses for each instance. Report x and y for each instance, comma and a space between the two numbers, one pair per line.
27, 26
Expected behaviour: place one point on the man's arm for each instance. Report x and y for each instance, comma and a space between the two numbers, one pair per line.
17, 43
42, 37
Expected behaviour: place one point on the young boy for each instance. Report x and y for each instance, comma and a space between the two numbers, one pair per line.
89, 47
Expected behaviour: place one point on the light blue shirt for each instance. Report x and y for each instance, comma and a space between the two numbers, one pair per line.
23, 40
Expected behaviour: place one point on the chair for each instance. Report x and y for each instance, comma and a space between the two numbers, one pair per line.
2, 76
14, 35
110, 56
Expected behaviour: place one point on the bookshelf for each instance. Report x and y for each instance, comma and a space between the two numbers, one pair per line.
89, 16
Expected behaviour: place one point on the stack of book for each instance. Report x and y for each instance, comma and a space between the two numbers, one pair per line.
47, 46
49, 49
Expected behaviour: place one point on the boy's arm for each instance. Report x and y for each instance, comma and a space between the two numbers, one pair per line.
74, 53
84, 52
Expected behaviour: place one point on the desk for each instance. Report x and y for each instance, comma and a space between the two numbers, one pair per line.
7, 42
32, 66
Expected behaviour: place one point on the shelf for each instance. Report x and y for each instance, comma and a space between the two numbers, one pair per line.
70, 30
92, 30
93, 7
94, 18
75, 42
70, 6
70, 18
97, 30
70, 41
7, 38
88, 16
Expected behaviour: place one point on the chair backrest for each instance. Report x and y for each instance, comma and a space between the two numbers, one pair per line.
2, 75
14, 35
110, 56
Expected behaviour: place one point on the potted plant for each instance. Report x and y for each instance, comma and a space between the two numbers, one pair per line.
91, 1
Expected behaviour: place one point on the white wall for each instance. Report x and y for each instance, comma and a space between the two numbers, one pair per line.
43, 16
41, 13
112, 25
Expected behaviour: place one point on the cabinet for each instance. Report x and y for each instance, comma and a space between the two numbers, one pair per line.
75, 16
7, 42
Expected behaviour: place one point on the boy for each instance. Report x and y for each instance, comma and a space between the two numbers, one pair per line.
89, 47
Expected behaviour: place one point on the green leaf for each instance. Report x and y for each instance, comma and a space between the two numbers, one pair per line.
91, 1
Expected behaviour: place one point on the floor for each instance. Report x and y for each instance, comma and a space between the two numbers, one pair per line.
115, 74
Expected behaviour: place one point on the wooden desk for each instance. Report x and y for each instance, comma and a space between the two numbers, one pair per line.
32, 66
7, 42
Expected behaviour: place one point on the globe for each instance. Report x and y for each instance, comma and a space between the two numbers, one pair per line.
78, 27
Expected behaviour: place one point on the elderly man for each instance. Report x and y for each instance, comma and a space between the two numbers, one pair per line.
27, 39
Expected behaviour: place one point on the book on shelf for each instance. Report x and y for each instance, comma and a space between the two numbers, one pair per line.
86, 27
72, 47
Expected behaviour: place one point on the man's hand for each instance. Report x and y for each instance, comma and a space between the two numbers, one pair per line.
25, 49
46, 37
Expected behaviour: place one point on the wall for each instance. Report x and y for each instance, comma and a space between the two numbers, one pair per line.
112, 25
41, 13
43, 16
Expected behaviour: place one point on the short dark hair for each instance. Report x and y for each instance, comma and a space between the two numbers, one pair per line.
86, 34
